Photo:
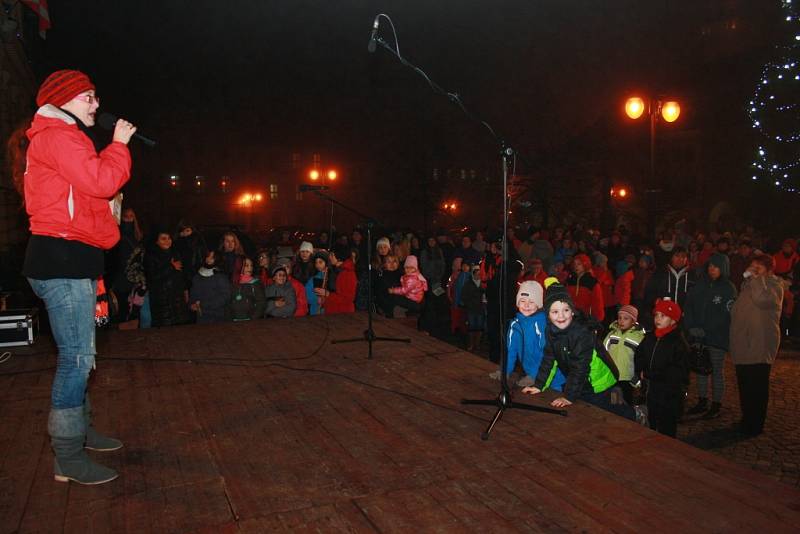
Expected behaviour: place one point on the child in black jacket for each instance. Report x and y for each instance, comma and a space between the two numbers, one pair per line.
662, 359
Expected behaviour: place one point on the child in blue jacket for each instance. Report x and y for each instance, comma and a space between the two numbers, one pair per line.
526, 335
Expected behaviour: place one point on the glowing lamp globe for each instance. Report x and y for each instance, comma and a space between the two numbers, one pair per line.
314, 175
634, 107
332, 175
670, 111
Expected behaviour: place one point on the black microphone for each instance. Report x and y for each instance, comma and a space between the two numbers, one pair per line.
304, 188
108, 121
372, 43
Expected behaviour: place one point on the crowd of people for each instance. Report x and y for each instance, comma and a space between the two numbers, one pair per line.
641, 309
598, 318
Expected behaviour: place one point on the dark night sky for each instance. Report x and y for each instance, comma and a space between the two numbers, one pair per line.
217, 82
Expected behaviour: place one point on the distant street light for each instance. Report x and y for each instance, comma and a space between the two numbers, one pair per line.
331, 175
248, 200
619, 193
669, 111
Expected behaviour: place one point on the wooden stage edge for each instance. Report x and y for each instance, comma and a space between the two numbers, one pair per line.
269, 427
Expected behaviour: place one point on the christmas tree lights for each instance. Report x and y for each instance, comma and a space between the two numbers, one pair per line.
775, 112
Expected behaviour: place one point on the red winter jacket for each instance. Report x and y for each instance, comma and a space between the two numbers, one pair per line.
412, 286
300, 298
587, 295
343, 299
68, 185
622, 288
784, 264
606, 281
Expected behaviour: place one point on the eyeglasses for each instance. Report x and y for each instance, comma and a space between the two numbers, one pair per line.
89, 99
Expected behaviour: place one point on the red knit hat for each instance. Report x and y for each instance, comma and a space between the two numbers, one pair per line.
62, 86
669, 308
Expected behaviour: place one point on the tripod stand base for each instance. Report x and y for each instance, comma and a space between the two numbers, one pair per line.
504, 402
370, 336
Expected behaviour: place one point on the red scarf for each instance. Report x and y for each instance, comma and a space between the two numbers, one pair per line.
661, 332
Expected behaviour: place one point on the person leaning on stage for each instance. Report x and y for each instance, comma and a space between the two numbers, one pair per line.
571, 348
68, 185
755, 339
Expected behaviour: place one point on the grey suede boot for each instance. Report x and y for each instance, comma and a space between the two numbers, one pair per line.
67, 429
94, 440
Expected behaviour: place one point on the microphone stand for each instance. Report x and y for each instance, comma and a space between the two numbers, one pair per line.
503, 401
369, 334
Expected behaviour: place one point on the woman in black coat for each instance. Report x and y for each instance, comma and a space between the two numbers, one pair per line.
166, 283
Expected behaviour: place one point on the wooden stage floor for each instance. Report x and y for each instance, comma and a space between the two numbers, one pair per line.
267, 427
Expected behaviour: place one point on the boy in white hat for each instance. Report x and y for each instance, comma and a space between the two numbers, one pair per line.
526, 335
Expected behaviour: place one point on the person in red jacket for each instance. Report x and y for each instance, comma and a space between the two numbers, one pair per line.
584, 289
534, 271
69, 188
786, 258
342, 300
605, 278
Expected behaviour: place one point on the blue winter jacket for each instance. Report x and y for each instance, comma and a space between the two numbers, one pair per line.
526, 341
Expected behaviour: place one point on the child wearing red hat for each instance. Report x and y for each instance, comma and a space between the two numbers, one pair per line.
662, 360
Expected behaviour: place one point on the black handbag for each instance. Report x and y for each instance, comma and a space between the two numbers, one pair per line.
700, 359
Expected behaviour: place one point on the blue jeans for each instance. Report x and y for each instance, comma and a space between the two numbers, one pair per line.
70, 306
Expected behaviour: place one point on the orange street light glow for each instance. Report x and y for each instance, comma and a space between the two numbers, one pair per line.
332, 175
623, 192
634, 107
314, 174
258, 197
670, 111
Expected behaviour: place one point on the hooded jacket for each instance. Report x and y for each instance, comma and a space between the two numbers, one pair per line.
622, 345
68, 184
587, 294
342, 298
412, 286
708, 305
526, 342
285, 291
572, 350
669, 283
755, 321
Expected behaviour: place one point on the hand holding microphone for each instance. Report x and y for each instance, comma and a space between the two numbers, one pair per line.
123, 130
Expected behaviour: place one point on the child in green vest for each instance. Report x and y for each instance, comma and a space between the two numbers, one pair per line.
624, 336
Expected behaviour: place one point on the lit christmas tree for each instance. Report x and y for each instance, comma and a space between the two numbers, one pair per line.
775, 111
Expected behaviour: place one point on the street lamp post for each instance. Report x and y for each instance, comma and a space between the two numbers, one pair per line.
330, 176
669, 110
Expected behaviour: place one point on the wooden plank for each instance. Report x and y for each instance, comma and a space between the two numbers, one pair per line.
267, 426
